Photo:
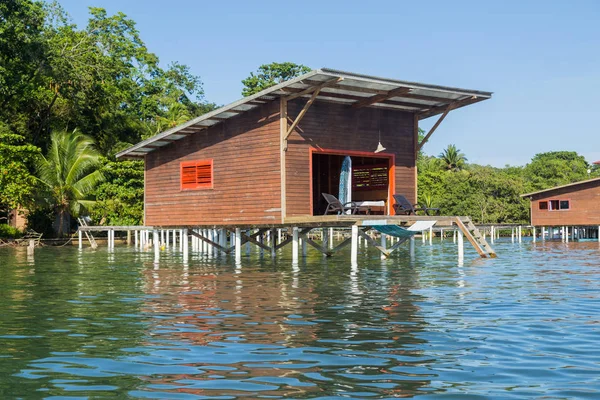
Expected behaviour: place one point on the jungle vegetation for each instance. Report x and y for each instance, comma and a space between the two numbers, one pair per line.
72, 97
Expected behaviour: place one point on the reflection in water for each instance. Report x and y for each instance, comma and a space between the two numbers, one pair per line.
96, 323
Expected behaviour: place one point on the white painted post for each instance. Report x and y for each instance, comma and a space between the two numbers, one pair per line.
80, 234
167, 238
216, 240
423, 234
461, 249
520, 234
566, 234
162, 237
273, 242
174, 239
492, 234
441, 234
412, 247
331, 238
533, 233
156, 243
181, 239
384, 245
454, 236
512, 234
354, 244
185, 244
294, 245
238, 245
279, 235
430, 235
326, 239
135, 239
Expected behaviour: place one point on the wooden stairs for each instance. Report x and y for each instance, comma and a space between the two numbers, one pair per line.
88, 234
474, 237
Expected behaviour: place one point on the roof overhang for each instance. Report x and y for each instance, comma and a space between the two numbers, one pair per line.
570, 185
355, 90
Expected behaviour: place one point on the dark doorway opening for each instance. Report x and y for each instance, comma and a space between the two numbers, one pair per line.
371, 179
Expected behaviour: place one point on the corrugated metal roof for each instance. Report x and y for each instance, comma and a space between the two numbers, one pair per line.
561, 187
422, 99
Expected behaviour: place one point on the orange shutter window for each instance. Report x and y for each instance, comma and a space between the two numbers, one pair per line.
196, 174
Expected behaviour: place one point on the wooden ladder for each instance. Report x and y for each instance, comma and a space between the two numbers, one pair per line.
474, 237
88, 235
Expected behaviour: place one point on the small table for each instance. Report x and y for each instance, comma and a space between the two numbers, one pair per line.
371, 203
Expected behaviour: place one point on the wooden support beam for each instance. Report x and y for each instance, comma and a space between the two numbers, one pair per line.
381, 97
315, 92
434, 127
314, 88
397, 244
369, 239
419, 107
300, 116
250, 238
304, 236
207, 240
455, 104
290, 238
340, 246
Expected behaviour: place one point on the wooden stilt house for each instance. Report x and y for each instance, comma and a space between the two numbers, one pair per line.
575, 204
267, 158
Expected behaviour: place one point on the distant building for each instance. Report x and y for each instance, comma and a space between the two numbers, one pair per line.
575, 204
17, 218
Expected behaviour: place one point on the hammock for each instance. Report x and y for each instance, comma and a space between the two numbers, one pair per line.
399, 231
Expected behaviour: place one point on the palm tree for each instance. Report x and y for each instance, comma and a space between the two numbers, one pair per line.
453, 159
70, 173
176, 114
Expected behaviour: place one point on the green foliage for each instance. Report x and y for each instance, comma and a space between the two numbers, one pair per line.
487, 194
453, 159
269, 75
557, 168
17, 184
69, 174
120, 199
9, 232
100, 79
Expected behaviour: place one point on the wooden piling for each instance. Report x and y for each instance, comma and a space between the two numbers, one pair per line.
354, 245
461, 249
295, 245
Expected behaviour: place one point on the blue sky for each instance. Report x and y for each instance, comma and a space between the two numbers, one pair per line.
540, 58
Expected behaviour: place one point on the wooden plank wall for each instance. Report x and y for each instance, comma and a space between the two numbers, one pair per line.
584, 201
340, 127
246, 171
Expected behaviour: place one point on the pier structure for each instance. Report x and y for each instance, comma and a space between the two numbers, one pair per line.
317, 232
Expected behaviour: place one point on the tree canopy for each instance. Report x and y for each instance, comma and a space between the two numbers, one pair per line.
103, 83
269, 75
489, 194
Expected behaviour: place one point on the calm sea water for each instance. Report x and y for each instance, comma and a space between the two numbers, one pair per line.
94, 324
